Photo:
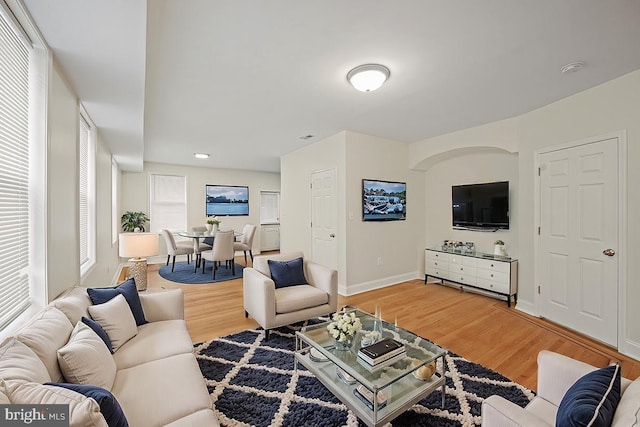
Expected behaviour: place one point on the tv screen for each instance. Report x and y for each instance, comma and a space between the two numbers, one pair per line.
481, 205
227, 200
383, 200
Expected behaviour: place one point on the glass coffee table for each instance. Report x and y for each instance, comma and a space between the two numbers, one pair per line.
398, 384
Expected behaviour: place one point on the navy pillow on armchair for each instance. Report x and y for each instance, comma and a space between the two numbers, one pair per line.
287, 273
592, 400
129, 292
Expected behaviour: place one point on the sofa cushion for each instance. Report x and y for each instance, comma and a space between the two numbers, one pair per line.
128, 290
95, 326
86, 360
45, 334
296, 298
592, 400
628, 411
153, 380
116, 319
74, 303
155, 340
82, 410
287, 273
109, 406
19, 362
204, 417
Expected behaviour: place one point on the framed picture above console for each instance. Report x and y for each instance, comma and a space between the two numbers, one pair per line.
225, 200
384, 200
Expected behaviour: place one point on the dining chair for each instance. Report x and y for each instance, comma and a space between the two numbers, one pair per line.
174, 249
246, 241
222, 250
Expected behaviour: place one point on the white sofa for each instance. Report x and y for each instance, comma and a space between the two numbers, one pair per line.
157, 381
556, 374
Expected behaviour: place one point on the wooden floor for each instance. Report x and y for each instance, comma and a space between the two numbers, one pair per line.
479, 328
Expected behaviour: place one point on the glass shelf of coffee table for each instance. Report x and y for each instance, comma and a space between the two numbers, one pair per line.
395, 381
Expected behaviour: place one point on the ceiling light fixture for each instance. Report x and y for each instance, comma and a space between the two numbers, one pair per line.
368, 77
201, 155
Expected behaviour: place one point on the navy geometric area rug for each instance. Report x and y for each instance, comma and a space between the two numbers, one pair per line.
252, 382
184, 273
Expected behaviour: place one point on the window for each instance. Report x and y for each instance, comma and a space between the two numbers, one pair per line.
168, 202
269, 207
14, 174
87, 196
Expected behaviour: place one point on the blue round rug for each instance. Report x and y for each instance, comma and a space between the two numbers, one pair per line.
183, 273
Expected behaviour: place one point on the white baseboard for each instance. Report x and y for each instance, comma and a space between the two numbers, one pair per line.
527, 307
630, 348
376, 284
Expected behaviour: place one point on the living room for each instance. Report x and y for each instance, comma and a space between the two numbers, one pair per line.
368, 255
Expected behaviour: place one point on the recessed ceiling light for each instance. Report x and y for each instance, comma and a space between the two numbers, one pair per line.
306, 136
368, 77
201, 155
572, 68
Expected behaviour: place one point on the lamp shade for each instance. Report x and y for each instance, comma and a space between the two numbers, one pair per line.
138, 245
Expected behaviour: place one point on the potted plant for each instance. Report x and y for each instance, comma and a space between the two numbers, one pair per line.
212, 223
134, 221
499, 248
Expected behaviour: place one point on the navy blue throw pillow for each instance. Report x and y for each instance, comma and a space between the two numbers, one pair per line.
287, 273
99, 331
592, 400
109, 406
129, 292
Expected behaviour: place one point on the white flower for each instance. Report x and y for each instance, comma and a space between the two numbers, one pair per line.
344, 326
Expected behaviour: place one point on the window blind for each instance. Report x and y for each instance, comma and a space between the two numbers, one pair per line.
168, 202
14, 175
269, 207
83, 161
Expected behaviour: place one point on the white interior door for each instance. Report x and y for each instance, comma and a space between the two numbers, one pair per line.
324, 218
578, 238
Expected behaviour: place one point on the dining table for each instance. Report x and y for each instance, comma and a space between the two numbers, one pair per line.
197, 235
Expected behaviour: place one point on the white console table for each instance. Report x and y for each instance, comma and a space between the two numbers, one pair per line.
475, 270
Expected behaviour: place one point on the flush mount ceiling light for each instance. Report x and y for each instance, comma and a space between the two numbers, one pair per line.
201, 155
368, 77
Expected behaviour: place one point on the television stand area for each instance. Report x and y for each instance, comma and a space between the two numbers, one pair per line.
488, 274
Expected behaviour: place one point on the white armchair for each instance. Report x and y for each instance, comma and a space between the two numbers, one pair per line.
556, 374
272, 307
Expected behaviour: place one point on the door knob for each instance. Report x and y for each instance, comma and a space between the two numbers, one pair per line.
332, 235
609, 252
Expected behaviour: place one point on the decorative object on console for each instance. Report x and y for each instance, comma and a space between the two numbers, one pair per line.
499, 248
137, 246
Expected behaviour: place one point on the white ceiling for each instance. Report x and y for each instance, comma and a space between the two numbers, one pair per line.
243, 80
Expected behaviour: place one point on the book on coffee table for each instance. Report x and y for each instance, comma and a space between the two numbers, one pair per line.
381, 365
381, 351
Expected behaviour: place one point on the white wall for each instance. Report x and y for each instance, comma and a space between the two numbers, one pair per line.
135, 194
611, 107
470, 169
398, 244
63, 250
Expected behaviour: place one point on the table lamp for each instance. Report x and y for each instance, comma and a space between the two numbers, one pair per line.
137, 246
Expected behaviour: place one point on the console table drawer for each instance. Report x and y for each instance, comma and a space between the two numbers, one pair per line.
437, 256
463, 278
503, 288
438, 272
486, 264
462, 269
493, 276
438, 264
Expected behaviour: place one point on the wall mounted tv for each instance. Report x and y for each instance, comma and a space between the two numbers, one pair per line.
384, 200
481, 206
227, 200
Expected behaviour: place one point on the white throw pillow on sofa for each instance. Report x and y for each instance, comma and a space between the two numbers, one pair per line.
86, 360
116, 319
19, 362
628, 410
83, 411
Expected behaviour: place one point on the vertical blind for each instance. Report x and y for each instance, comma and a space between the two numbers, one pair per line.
84, 191
14, 175
168, 202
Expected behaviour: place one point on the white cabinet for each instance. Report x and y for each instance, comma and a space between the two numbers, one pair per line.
486, 272
269, 237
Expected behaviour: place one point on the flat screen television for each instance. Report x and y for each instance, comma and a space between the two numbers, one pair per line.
481, 206
384, 200
227, 200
